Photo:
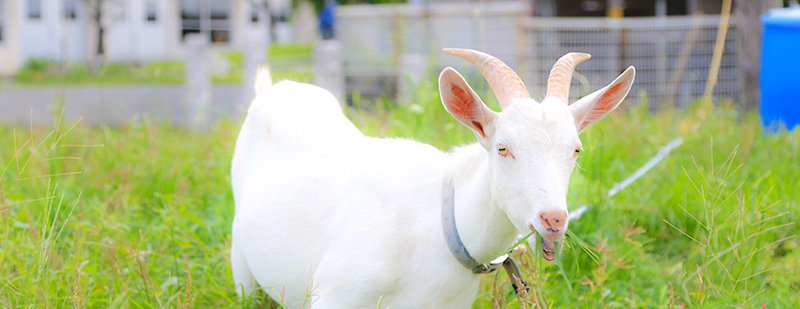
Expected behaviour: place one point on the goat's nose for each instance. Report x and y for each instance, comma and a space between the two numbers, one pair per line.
553, 221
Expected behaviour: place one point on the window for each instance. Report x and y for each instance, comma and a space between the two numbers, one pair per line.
254, 13
116, 9
580, 8
151, 11
34, 9
70, 10
599, 8
212, 17
676, 7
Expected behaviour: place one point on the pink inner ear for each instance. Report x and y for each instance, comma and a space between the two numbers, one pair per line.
478, 127
607, 102
462, 105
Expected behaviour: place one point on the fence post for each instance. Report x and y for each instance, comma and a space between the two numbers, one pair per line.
522, 53
255, 54
662, 66
328, 72
412, 68
303, 23
748, 24
197, 90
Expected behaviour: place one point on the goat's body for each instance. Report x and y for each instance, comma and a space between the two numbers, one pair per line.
329, 217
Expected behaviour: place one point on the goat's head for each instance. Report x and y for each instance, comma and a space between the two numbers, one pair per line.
532, 147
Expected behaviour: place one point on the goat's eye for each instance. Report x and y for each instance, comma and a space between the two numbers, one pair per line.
503, 151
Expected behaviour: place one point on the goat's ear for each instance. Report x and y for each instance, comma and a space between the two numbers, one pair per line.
464, 104
591, 108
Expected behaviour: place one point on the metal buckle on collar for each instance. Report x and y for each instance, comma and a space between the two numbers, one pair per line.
491, 266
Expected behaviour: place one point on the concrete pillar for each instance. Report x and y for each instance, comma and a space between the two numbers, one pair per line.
412, 69
328, 67
304, 23
255, 54
197, 97
662, 61
283, 32
11, 57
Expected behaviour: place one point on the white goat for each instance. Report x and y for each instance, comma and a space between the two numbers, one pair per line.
330, 218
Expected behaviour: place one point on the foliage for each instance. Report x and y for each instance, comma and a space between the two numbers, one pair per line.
140, 216
288, 61
46, 72
280, 51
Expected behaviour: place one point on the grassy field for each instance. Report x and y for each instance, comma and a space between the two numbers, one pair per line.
140, 216
38, 72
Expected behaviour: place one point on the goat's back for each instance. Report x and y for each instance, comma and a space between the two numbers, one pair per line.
322, 210
289, 115
300, 114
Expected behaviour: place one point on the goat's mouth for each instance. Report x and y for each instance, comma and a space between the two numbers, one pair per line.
550, 244
549, 249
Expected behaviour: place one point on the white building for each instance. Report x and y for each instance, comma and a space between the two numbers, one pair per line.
135, 30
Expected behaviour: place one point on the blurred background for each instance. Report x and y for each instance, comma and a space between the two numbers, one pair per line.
170, 59
118, 120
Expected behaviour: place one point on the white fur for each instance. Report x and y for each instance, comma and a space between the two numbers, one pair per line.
328, 217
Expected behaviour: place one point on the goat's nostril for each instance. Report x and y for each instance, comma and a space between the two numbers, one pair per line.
553, 221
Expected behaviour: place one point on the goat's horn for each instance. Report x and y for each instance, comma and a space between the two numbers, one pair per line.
505, 84
561, 75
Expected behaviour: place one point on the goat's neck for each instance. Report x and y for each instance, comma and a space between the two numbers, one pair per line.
483, 226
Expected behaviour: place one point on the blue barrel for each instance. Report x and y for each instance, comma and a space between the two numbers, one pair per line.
780, 69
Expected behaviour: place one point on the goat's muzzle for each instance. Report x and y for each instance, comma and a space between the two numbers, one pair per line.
554, 225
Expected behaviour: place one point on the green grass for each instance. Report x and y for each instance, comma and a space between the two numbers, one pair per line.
279, 51
140, 216
289, 61
45, 72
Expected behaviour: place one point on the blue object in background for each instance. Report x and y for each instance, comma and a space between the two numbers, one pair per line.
327, 20
780, 69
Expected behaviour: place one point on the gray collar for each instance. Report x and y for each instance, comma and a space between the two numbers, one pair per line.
454, 242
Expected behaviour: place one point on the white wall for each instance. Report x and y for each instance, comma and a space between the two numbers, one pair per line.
242, 28
51, 36
131, 37
128, 37
40, 36
119, 37
9, 48
72, 44
167, 31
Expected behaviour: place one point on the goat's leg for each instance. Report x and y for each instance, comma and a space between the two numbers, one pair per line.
242, 277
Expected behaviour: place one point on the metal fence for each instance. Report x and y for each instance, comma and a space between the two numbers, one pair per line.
380, 43
671, 54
